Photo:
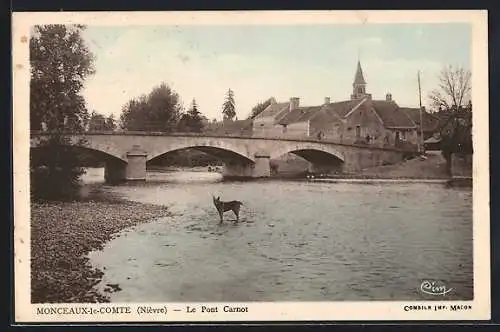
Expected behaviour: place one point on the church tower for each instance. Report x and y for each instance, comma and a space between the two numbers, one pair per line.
359, 85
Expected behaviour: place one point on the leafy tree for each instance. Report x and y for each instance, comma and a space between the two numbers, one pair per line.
229, 106
110, 123
99, 122
55, 169
96, 122
192, 121
60, 62
259, 108
157, 111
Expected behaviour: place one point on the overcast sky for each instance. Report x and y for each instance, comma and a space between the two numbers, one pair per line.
257, 62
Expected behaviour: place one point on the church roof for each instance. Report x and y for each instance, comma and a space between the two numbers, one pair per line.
358, 78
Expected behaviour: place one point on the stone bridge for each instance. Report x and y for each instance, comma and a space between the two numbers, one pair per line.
128, 152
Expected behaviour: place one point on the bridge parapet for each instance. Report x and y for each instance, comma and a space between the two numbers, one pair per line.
403, 148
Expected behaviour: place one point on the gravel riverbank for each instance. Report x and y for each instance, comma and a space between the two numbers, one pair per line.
63, 233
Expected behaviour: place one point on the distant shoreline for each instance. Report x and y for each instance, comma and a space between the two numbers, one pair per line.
327, 178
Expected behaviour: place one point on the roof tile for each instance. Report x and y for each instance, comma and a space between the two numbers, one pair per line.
431, 122
392, 115
273, 110
342, 108
300, 114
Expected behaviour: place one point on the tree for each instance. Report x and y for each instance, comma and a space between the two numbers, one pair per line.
60, 62
456, 133
452, 99
55, 169
110, 123
192, 121
454, 89
96, 122
157, 111
99, 122
259, 108
229, 107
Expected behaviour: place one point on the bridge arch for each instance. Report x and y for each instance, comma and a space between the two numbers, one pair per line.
218, 148
309, 151
104, 148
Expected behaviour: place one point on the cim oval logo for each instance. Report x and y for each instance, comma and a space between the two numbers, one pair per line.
434, 287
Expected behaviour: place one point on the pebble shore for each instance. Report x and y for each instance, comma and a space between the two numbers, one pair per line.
61, 236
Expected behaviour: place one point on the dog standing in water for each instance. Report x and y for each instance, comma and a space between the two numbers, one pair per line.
227, 206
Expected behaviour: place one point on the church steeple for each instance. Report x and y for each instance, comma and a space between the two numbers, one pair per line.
359, 84
358, 78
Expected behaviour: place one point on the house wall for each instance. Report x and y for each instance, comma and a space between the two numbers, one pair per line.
407, 136
295, 130
326, 127
344, 131
265, 127
370, 125
461, 165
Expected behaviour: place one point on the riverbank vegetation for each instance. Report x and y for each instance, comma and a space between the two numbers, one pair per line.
60, 61
61, 236
452, 101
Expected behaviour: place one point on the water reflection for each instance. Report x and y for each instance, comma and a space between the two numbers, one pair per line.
296, 241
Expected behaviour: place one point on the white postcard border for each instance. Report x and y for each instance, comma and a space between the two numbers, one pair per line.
261, 311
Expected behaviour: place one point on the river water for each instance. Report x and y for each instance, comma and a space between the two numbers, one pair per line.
296, 241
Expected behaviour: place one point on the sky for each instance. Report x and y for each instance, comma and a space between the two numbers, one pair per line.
257, 62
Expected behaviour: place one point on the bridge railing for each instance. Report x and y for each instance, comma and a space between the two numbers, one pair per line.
359, 144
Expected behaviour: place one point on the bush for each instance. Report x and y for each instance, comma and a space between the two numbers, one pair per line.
54, 170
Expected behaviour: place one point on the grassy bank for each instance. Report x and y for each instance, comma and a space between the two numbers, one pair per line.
63, 233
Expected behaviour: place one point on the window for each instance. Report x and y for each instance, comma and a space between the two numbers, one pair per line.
360, 90
284, 129
358, 131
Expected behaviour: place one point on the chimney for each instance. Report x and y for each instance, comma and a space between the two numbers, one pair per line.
294, 103
388, 97
327, 100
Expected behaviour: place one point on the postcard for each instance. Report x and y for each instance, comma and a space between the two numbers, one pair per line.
251, 166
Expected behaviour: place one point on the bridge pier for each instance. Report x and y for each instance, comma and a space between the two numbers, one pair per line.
136, 166
262, 166
115, 171
134, 169
260, 169
235, 170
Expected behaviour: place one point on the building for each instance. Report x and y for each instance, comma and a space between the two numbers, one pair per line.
358, 120
264, 124
230, 127
430, 121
